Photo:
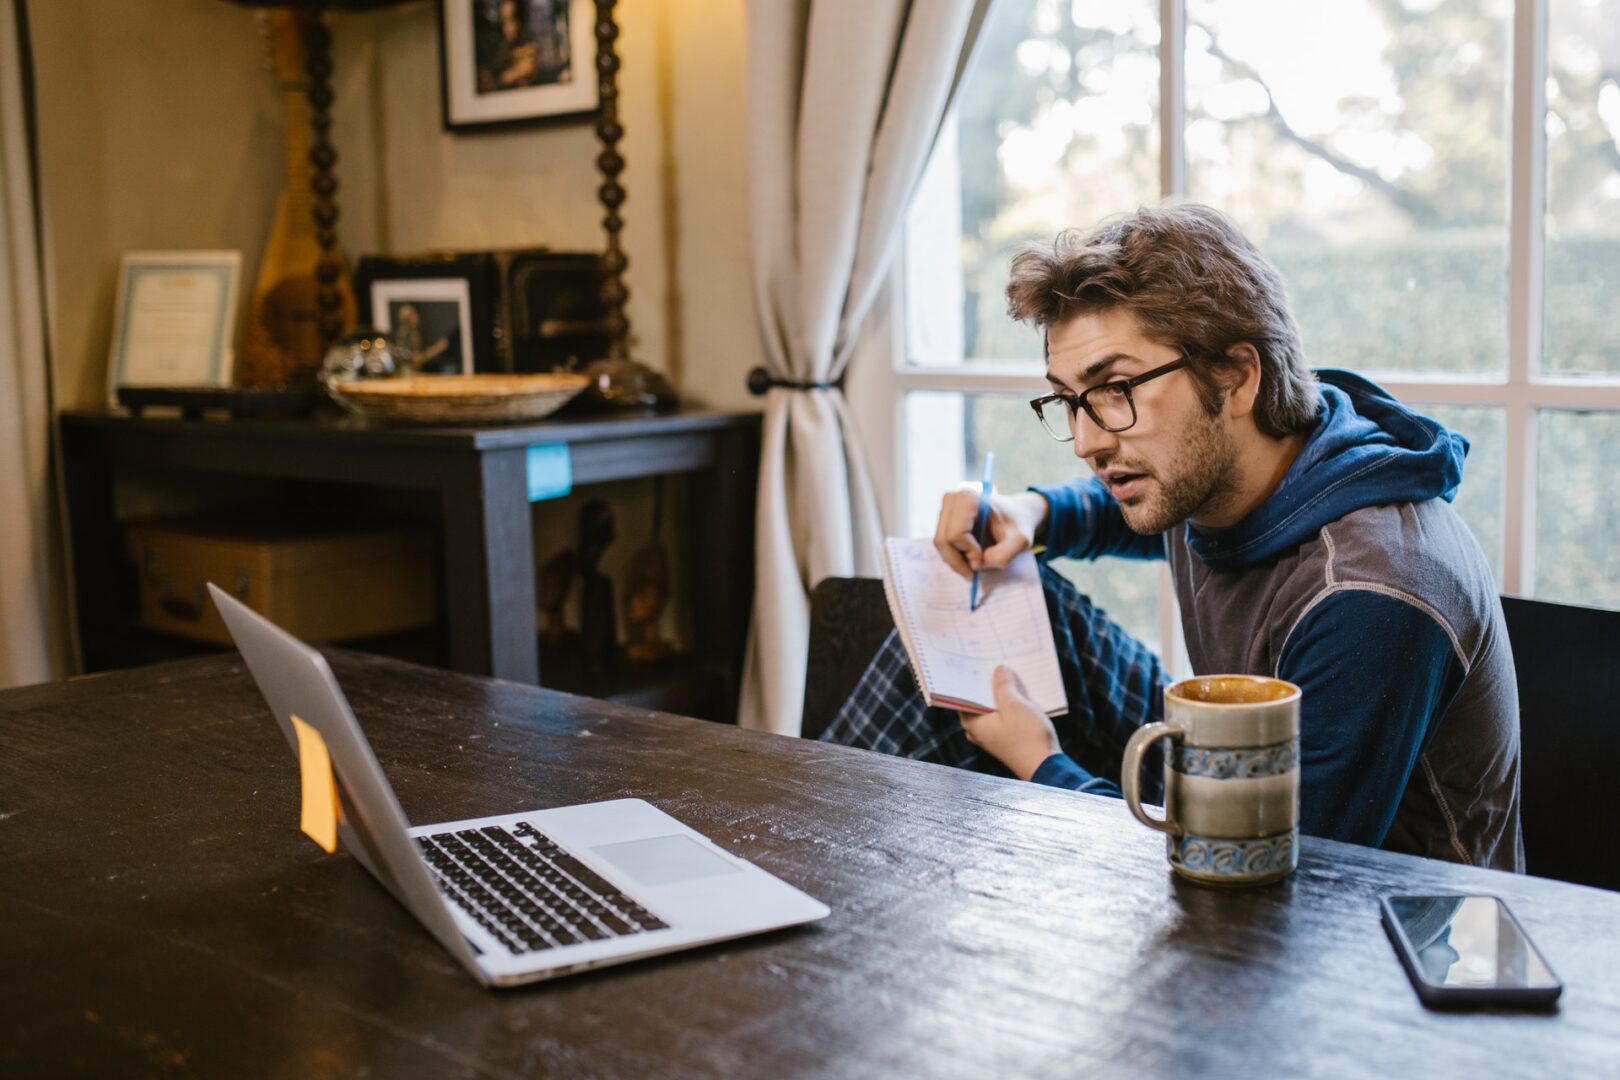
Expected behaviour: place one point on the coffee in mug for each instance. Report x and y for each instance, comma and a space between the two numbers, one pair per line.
1231, 778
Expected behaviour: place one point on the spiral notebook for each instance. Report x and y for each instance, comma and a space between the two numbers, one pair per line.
954, 651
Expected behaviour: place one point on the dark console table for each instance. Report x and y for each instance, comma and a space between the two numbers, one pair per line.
478, 479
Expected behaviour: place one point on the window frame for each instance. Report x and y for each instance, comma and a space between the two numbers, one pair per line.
883, 372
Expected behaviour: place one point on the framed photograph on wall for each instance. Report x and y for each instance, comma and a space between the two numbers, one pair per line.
505, 62
439, 307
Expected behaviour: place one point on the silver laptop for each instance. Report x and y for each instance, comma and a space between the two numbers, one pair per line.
519, 897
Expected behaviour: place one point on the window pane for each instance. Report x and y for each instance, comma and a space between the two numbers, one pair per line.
1577, 508
1479, 500
1363, 146
1583, 187
946, 436
1056, 126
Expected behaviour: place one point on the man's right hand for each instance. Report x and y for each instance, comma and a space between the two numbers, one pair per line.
1015, 522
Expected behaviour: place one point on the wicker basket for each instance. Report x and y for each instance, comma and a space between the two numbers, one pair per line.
455, 399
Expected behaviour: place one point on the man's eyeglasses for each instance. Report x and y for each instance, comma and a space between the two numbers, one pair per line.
1109, 404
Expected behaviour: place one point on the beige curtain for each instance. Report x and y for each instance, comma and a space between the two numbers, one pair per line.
845, 100
29, 629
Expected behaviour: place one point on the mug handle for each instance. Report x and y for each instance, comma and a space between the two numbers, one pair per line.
1130, 773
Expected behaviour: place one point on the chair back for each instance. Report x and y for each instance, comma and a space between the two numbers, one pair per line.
1568, 664
849, 618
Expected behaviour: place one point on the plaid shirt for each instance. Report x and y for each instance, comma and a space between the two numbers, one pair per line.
1113, 682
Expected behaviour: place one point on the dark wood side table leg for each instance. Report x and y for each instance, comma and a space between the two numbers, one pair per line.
103, 603
489, 566
718, 551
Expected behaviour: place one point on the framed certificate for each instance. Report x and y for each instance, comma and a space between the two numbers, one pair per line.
174, 319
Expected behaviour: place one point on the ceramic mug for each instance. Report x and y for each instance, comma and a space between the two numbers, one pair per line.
1231, 778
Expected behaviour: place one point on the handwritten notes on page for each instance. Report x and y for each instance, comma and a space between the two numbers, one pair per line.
954, 651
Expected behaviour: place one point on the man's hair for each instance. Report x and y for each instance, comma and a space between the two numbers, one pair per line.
1194, 282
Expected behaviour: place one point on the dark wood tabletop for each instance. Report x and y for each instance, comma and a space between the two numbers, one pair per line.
161, 914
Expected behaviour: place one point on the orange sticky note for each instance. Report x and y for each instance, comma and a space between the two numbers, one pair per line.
321, 811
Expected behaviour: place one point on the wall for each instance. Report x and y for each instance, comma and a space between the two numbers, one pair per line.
160, 129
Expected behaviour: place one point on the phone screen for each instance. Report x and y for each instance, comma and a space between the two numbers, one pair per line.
1469, 942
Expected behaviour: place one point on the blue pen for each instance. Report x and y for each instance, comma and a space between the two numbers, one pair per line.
981, 523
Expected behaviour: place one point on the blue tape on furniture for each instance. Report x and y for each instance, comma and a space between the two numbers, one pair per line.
551, 471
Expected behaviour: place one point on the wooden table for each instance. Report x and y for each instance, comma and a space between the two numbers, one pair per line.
477, 477
160, 913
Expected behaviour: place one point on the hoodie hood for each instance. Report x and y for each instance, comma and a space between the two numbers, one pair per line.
1367, 450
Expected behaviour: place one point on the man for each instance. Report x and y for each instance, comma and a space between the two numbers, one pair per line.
1308, 526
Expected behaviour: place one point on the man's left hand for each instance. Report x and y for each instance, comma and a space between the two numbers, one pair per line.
1017, 734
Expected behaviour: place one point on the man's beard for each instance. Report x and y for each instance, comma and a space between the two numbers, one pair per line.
1206, 477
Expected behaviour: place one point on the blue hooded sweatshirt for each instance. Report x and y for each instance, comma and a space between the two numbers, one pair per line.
1357, 581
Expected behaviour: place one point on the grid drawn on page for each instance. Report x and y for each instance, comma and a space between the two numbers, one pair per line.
955, 651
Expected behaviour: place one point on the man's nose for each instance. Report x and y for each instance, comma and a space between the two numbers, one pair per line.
1090, 439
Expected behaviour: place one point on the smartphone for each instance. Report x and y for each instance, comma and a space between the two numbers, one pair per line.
1467, 950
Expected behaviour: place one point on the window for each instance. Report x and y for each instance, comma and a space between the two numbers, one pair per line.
1437, 180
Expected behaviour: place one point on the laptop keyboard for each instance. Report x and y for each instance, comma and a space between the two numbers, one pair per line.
527, 892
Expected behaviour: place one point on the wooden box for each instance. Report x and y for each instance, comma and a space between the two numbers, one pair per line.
320, 584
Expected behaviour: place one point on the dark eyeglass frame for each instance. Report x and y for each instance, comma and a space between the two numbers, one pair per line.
1082, 400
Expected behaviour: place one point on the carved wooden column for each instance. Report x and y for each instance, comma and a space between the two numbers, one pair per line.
323, 178
611, 163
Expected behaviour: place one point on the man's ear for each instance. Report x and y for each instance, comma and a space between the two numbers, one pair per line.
1241, 379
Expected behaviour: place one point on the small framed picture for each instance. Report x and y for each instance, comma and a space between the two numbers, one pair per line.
173, 320
439, 308
551, 313
505, 62
429, 320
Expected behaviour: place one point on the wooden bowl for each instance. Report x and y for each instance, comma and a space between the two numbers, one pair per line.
460, 399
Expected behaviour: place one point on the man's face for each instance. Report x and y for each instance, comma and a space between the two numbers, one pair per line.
1176, 462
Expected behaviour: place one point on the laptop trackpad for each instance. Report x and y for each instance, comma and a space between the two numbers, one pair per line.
666, 860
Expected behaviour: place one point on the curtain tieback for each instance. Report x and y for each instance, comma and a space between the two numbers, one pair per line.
761, 381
